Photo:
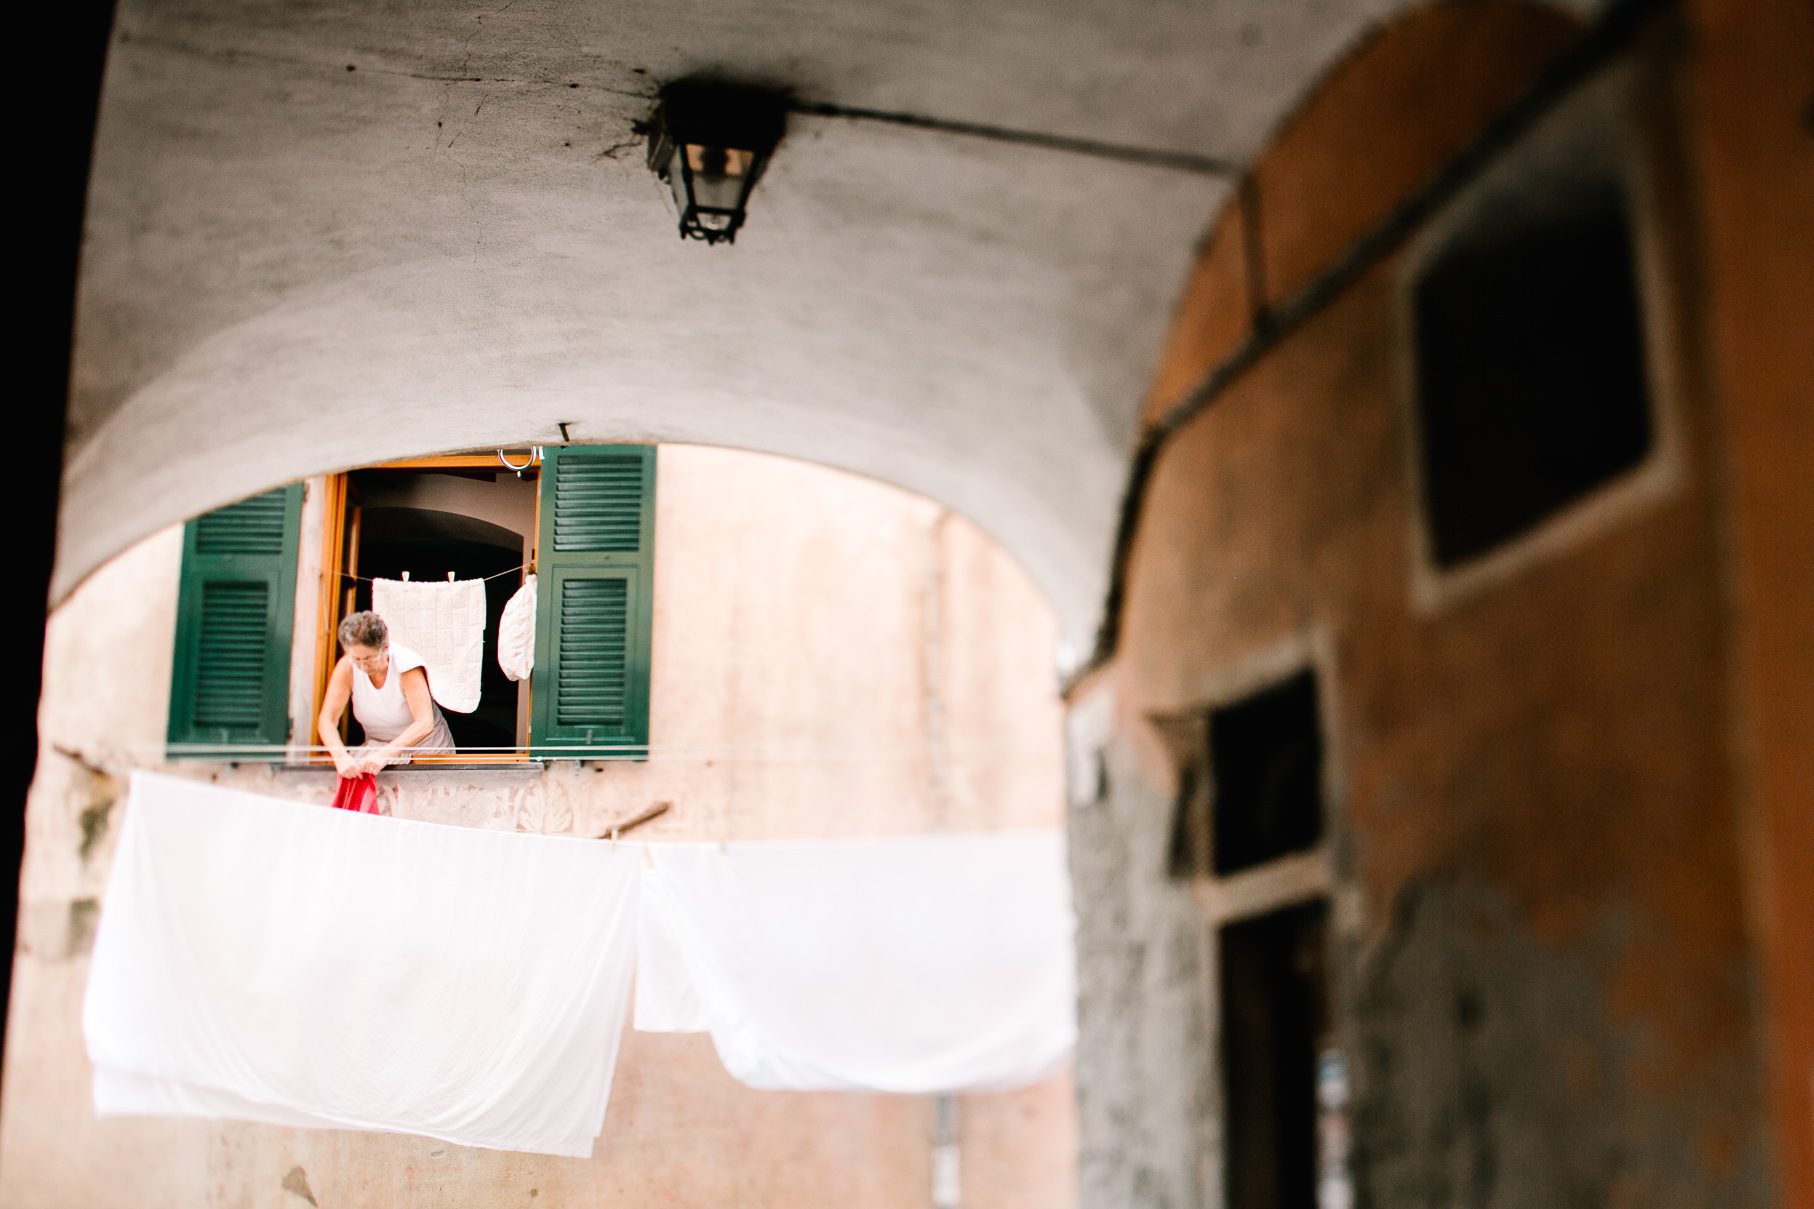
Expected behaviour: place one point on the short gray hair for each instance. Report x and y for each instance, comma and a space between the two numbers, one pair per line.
363, 629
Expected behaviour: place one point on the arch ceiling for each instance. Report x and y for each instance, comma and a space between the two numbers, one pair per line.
323, 235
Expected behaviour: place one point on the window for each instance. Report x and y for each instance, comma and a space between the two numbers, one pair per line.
1530, 381
583, 519
465, 518
1266, 763
1250, 777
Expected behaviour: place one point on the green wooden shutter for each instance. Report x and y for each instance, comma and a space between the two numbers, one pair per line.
230, 682
594, 608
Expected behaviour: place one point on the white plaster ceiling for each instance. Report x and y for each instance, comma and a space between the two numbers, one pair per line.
293, 267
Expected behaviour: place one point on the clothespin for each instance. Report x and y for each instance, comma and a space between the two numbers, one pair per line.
450, 577
406, 577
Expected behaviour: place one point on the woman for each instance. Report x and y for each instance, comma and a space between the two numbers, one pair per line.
388, 687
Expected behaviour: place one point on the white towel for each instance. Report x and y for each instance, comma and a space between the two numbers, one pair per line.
444, 621
516, 632
915, 964
274, 961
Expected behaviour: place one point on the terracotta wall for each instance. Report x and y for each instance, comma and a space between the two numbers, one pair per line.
1753, 139
832, 658
1548, 979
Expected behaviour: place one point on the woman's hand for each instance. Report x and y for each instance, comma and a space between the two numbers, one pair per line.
373, 762
347, 764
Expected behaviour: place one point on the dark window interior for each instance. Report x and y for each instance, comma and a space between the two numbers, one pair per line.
1275, 1027
1530, 373
1266, 761
430, 542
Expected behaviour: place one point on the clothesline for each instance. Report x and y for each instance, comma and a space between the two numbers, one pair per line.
251, 963
642, 751
482, 578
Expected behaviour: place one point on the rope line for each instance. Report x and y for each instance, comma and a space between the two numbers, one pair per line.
481, 579
644, 752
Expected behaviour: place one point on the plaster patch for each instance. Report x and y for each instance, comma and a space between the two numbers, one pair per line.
1490, 1074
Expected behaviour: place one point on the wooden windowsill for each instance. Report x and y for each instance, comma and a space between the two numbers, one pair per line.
455, 763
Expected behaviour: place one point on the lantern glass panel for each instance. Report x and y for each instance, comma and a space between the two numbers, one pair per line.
720, 176
678, 183
720, 161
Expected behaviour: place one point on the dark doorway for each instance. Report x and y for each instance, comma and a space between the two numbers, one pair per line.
1275, 1026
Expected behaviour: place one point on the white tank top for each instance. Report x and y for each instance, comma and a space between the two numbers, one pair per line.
384, 712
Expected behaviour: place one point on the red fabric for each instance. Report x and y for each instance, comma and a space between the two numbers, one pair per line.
358, 793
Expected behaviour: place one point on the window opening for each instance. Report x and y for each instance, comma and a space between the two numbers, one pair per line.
1530, 378
465, 516
1266, 771
592, 532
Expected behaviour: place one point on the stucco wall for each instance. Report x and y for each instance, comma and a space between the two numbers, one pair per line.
1545, 982
1753, 139
832, 658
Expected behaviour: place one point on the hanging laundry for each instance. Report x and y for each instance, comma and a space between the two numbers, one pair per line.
444, 622
516, 632
914, 964
284, 962
358, 794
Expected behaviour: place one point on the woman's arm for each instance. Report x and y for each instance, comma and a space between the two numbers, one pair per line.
333, 704
422, 722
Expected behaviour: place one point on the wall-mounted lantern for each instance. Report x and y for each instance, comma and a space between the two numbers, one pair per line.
710, 141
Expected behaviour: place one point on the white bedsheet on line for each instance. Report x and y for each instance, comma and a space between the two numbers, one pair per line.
914, 964
306, 966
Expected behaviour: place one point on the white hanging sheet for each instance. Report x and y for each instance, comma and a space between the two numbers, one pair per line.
516, 632
914, 964
306, 966
443, 621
